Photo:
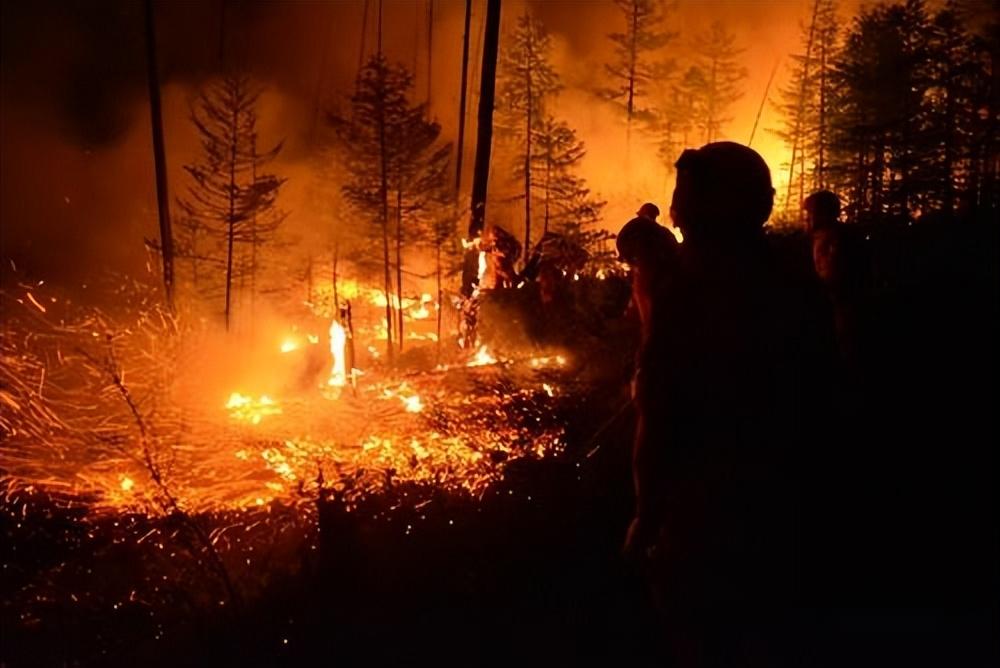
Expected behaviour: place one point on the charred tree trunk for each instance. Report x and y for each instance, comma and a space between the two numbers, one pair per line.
797, 138
253, 236
528, 109
460, 147
333, 277
437, 272
633, 57
231, 218
821, 137
399, 265
159, 157
484, 140
384, 195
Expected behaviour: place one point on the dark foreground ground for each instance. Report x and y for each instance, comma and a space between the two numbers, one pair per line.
531, 574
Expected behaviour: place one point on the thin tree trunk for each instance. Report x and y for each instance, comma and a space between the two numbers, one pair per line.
430, 49
159, 158
231, 221
336, 293
253, 237
399, 263
548, 191
440, 294
384, 195
633, 56
460, 147
527, 152
484, 141
821, 140
309, 279
797, 135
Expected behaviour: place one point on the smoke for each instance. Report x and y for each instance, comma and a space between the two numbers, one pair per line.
78, 194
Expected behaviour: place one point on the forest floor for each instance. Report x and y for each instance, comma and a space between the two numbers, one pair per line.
531, 571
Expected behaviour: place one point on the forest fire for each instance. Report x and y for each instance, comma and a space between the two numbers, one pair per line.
419, 427
322, 326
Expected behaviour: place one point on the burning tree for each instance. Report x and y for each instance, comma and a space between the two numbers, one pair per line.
631, 72
526, 80
713, 80
230, 201
398, 170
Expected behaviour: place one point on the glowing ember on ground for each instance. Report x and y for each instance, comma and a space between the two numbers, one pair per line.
288, 345
246, 408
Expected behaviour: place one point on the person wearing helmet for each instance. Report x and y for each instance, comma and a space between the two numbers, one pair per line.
648, 211
722, 411
650, 251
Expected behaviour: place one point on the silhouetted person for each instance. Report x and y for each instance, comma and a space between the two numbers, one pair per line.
649, 211
842, 266
650, 251
736, 355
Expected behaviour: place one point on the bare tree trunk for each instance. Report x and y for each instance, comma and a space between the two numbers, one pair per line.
821, 139
440, 294
797, 136
309, 279
430, 49
231, 220
384, 196
399, 264
527, 153
548, 190
633, 56
336, 293
159, 157
484, 139
460, 147
253, 236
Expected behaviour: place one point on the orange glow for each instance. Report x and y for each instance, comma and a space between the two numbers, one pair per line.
338, 346
482, 358
247, 409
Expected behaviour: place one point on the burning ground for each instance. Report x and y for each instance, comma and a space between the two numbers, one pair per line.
143, 472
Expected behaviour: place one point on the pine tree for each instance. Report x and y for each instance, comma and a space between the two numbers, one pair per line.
950, 115
397, 170
568, 207
714, 79
672, 121
882, 81
228, 197
632, 73
804, 105
526, 81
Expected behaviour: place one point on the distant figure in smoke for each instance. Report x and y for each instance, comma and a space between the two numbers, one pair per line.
735, 347
841, 265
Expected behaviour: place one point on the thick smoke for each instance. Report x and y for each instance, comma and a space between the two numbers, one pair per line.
77, 177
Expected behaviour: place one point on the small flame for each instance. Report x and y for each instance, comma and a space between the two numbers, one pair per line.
412, 404
288, 345
338, 343
127, 483
246, 408
482, 358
